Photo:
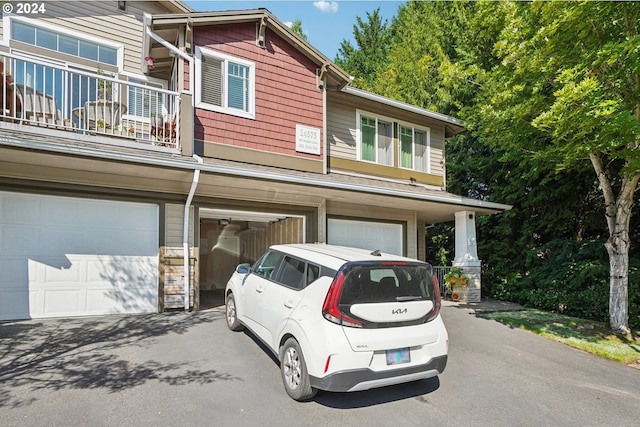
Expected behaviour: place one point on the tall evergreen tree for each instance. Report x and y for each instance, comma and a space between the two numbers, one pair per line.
369, 56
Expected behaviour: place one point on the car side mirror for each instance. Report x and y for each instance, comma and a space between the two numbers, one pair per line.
244, 268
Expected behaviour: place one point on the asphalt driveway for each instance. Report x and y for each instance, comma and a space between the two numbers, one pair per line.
188, 369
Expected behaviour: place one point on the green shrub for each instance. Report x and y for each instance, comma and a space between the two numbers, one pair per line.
568, 277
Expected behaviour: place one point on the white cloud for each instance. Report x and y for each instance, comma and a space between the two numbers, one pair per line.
326, 6
288, 24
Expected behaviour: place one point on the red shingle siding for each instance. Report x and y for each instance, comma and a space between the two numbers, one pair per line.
286, 92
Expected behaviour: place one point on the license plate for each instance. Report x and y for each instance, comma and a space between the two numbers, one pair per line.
397, 356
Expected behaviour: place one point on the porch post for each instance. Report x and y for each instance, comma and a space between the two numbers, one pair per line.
466, 253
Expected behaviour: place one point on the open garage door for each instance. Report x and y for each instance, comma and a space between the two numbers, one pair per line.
231, 237
63, 256
387, 237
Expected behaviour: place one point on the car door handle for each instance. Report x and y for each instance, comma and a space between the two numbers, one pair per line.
259, 289
288, 304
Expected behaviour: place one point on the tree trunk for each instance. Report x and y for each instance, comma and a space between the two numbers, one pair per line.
618, 214
618, 249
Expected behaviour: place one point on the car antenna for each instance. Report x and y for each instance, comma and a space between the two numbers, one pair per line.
376, 253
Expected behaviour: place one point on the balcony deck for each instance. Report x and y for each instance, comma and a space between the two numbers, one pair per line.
69, 105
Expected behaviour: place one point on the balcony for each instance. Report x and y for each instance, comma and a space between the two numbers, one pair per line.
40, 97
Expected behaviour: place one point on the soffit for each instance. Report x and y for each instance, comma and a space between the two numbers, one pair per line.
83, 162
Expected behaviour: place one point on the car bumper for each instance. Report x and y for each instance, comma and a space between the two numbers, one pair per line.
365, 379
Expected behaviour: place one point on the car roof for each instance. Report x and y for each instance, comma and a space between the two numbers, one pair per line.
334, 256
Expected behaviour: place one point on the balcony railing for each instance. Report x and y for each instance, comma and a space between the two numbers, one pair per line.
39, 93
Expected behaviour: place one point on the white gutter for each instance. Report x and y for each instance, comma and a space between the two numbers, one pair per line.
185, 233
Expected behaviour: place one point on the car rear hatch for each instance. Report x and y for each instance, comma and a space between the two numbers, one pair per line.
400, 297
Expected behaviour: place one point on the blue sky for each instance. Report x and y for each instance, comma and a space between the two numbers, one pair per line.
325, 23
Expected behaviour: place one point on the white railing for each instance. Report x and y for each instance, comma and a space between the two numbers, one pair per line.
37, 92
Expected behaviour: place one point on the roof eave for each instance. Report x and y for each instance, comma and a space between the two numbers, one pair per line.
453, 126
255, 15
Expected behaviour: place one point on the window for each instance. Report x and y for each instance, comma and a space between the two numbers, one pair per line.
376, 140
292, 273
225, 84
414, 148
266, 265
63, 43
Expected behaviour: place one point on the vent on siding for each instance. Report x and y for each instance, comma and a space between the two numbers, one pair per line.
212, 80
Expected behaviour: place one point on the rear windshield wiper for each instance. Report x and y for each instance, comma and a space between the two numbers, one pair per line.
408, 298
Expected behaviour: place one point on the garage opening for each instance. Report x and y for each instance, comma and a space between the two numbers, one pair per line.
231, 237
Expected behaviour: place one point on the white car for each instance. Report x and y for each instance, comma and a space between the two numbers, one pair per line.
341, 319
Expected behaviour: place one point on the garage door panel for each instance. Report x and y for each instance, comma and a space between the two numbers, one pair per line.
62, 302
14, 302
387, 237
16, 210
77, 256
19, 240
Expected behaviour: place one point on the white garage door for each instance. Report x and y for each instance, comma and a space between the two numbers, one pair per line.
366, 235
62, 256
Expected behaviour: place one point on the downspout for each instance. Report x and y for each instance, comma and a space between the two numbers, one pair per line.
196, 170
185, 233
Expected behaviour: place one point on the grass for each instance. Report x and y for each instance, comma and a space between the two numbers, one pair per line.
586, 335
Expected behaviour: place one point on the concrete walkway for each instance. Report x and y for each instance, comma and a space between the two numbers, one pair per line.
485, 306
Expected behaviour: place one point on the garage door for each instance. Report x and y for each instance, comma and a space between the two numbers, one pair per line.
63, 256
366, 235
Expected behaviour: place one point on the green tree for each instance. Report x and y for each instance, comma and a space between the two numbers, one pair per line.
296, 27
568, 91
369, 57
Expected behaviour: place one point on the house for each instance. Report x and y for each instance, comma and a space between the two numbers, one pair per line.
184, 143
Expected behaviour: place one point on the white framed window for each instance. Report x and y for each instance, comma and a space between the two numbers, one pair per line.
414, 146
375, 138
224, 83
44, 35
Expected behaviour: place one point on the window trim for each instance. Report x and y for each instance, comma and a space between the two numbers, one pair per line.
377, 117
414, 127
251, 111
73, 59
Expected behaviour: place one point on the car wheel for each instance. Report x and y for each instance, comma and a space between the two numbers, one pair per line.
294, 372
232, 315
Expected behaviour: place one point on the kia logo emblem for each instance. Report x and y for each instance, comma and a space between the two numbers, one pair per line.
399, 311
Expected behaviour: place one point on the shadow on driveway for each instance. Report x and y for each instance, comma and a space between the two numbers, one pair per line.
93, 353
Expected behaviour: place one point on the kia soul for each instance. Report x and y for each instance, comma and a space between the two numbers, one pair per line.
341, 319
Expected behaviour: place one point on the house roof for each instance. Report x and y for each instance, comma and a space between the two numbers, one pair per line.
167, 25
452, 125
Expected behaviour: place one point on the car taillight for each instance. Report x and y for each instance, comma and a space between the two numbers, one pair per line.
331, 310
437, 303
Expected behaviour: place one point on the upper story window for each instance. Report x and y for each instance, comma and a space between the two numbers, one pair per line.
224, 83
64, 43
376, 139
414, 147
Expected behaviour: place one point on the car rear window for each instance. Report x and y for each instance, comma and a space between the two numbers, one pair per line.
387, 283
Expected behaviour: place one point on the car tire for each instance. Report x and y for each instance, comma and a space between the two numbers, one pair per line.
294, 372
231, 314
